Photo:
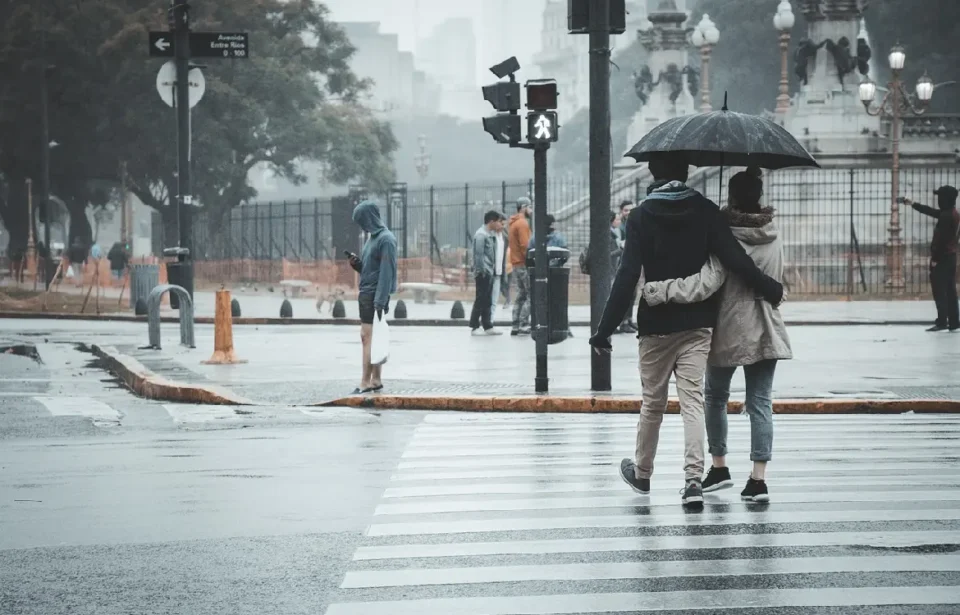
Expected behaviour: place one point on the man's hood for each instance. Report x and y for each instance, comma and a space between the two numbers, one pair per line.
666, 202
367, 217
517, 216
753, 228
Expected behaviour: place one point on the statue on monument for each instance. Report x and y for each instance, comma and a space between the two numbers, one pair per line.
674, 78
806, 51
693, 80
643, 84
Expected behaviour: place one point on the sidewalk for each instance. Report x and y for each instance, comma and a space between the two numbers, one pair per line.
266, 305
321, 364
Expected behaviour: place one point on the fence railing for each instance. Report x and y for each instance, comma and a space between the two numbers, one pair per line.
833, 223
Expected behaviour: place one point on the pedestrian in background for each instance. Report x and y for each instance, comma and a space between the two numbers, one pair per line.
377, 266
519, 239
671, 235
500, 269
119, 257
943, 256
485, 268
750, 333
626, 206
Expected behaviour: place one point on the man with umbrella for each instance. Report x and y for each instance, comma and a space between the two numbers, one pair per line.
671, 235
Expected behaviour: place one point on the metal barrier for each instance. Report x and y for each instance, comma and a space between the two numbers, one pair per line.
186, 315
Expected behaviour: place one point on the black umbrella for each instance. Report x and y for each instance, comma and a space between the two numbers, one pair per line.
724, 138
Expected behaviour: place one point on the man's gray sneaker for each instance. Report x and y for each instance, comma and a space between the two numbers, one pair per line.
628, 472
692, 494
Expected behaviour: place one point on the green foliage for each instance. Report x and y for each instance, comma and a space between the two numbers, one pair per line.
291, 107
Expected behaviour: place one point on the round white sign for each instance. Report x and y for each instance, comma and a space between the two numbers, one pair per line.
167, 84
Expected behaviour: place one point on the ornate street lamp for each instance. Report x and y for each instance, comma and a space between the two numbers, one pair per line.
705, 36
783, 21
422, 162
896, 103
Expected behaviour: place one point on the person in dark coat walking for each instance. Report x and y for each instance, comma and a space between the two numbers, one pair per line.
943, 256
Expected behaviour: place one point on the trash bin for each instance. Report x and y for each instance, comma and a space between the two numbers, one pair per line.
143, 279
179, 272
558, 293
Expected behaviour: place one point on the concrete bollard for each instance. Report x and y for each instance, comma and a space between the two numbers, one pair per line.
286, 310
400, 311
140, 309
339, 311
456, 312
223, 332
235, 308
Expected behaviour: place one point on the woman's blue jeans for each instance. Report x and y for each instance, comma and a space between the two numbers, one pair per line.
759, 405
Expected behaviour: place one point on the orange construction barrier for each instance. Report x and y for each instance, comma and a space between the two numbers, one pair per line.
223, 332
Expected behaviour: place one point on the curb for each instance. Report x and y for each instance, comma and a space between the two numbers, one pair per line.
438, 322
631, 405
147, 384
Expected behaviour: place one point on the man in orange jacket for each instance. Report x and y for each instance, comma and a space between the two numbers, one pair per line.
519, 236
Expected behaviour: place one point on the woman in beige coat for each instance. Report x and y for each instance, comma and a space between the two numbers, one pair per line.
750, 333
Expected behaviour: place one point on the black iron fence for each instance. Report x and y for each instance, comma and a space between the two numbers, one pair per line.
834, 224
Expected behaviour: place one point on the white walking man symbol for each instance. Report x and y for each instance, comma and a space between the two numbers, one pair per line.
543, 127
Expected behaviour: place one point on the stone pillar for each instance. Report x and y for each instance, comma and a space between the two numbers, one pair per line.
666, 40
828, 116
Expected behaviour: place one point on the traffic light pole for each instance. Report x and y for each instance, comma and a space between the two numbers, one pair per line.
181, 14
541, 266
600, 274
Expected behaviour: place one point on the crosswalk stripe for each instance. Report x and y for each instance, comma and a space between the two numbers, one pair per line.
849, 445
658, 543
567, 503
196, 413
555, 459
653, 569
472, 526
87, 407
658, 601
483, 511
604, 471
615, 484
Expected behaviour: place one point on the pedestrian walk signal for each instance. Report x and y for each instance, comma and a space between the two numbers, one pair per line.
542, 127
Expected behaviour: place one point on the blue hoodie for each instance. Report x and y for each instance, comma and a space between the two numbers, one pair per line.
378, 275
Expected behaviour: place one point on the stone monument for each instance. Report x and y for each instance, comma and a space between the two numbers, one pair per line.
827, 115
667, 85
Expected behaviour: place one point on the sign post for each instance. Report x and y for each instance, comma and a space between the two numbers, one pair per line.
182, 86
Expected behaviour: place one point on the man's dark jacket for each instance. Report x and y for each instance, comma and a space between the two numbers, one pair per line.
671, 235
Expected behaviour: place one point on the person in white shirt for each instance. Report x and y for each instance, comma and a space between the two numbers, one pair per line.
499, 272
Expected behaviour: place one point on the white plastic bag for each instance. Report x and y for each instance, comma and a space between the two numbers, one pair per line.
380, 344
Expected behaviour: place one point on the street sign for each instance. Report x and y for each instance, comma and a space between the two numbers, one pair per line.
167, 84
542, 127
203, 45
161, 44
219, 44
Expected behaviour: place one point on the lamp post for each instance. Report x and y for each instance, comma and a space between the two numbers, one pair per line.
705, 36
783, 21
896, 103
422, 162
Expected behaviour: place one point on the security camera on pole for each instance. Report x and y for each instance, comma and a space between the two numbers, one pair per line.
542, 130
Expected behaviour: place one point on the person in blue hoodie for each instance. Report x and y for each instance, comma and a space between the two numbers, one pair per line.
377, 266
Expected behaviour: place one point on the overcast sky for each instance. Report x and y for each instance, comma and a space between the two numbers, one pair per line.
410, 19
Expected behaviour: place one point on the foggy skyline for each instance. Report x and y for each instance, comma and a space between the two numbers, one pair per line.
413, 20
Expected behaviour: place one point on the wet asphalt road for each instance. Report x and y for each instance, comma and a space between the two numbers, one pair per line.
110, 504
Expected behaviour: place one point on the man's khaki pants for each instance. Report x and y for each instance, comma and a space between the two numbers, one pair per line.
683, 354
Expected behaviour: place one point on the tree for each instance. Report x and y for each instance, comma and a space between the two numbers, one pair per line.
293, 103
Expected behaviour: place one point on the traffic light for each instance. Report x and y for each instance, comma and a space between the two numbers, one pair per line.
505, 98
542, 127
542, 98
542, 94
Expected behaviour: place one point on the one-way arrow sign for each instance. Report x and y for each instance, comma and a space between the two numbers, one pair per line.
161, 44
